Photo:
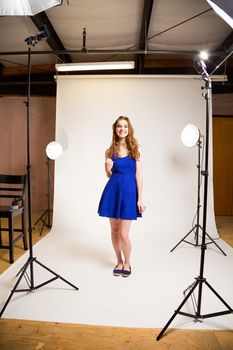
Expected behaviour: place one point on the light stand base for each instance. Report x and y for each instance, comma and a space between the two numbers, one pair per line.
197, 316
46, 220
23, 273
196, 231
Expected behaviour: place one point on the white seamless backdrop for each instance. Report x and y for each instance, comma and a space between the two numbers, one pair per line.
159, 109
79, 244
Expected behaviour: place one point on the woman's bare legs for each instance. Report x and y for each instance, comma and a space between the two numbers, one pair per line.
125, 242
116, 240
120, 241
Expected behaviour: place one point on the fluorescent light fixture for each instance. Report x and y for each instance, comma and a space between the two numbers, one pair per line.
224, 8
190, 135
87, 66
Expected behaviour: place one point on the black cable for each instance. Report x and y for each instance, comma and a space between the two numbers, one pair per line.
164, 31
179, 24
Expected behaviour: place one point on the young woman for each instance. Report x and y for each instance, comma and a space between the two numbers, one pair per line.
121, 200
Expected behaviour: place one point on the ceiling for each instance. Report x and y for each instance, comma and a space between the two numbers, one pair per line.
162, 36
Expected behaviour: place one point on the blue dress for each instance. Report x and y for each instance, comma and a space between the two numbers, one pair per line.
119, 198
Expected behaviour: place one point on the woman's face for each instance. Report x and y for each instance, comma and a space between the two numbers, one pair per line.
122, 128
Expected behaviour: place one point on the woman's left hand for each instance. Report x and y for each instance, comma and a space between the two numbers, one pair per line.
141, 207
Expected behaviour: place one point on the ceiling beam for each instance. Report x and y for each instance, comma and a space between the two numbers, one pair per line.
147, 10
41, 20
104, 52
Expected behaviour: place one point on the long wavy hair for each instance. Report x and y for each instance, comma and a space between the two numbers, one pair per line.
132, 143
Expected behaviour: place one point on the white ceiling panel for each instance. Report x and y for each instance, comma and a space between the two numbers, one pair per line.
206, 31
109, 23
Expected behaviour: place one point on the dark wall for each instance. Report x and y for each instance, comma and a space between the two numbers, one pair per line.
13, 145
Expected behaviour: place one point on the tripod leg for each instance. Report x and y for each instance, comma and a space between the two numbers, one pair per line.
212, 241
44, 221
16, 285
22, 272
22, 268
40, 218
183, 239
177, 311
218, 296
55, 274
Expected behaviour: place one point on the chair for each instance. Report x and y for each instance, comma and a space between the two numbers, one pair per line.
12, 187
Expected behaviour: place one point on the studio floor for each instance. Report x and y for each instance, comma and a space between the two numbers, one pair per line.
224, 226
32, 333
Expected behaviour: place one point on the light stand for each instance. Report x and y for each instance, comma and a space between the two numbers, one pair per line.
31, 260
197, 226
200, 280
46, 216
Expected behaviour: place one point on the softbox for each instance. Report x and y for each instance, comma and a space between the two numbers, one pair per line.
26, 7
224, 8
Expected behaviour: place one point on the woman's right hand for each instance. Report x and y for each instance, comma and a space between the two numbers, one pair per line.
108, 166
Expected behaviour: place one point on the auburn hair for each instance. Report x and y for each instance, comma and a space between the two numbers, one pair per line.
132, 143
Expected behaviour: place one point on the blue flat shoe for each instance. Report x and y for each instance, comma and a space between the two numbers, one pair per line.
126, 273
117, 272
